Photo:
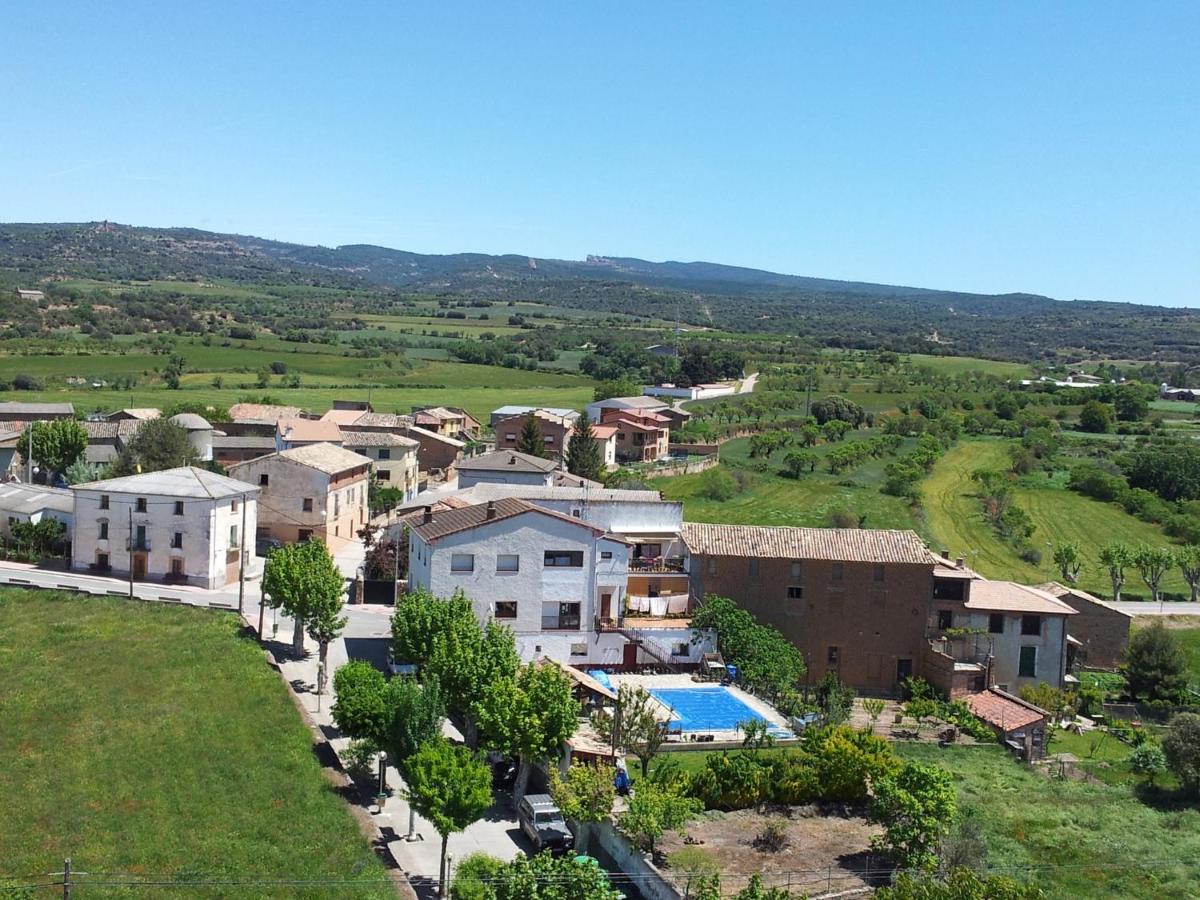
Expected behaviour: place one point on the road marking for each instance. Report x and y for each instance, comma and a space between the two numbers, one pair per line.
19, 581
217, 605
171, 599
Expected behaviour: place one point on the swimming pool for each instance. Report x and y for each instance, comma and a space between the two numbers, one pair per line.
713, 708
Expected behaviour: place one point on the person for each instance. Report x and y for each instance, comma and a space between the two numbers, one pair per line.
621, 780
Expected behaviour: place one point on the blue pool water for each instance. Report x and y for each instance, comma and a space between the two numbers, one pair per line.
708, 709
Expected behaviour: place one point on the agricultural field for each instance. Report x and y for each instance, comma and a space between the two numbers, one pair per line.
156, 741
1076, 839
954, 521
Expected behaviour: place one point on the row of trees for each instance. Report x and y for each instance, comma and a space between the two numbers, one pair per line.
1151, 563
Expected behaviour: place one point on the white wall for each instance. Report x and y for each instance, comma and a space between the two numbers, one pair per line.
468, 478
1006, 648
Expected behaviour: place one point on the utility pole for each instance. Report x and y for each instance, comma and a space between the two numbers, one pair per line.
67, 878
29, 457
242, 562
131, 551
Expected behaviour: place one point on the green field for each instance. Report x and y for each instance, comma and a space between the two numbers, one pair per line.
772, 499
955, 521
1090, 840
155, 741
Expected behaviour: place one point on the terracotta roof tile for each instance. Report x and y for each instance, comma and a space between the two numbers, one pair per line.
835, 544
1004, 711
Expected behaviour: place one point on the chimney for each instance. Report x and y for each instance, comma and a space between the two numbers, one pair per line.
428, 515
512, 460
945, 553
491, 510
958, 563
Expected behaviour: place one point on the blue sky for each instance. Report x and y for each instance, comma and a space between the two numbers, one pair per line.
1052, 148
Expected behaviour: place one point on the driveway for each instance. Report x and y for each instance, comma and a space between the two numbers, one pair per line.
748, 383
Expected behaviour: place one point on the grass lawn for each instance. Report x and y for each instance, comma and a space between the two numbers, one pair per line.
1094, 840
153, 740
954, 520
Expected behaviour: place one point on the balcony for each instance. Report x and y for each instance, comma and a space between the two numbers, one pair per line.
657, 565
137, 543
665, 604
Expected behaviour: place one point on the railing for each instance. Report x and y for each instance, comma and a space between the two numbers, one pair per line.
137, 543
561, 623
659, 564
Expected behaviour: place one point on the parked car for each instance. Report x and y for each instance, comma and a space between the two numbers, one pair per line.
265, 546
543, 823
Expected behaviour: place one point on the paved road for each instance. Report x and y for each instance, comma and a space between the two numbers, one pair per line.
748, 384
1135, 608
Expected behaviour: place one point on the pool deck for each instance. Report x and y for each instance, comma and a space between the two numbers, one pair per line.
674, 682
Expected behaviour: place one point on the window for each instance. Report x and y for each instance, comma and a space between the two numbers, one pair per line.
577, 513
141, 504
795, 592
836, 572
754, 568
384, 474
945, 619
462, 562
548, 439
304, 534
996, 623
948, 589
506, 609
1031, 625
510, 436
508, 562
560, 616
877, 572
681, 649
264, 479
1028, 666
564, 559
233, 536
12, 520
606, 554
712, 565
179, 507
177, 540
233, 506
307, 505
579, 649
795, 570
103, 531
833, 655
384, 453
104, 501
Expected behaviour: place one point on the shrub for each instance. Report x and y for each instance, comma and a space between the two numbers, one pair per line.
1148, 760
732, 781
359, 757
1155, 664
1181, 746
717, 484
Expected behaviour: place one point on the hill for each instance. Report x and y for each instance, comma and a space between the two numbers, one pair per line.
829, 312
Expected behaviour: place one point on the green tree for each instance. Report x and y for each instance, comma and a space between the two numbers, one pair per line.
874, 708
1116, 557
585, 796
915, 806
529, 716
797, 462
172, 372
38, 539
1188, 560
960, 884
1148, 761
1130, 405
1155, 665
1068, 560
159, 444
360, 707
530, 438
57, 444
1152, 564
81, 472
766, 660
541, 877
654, 809
450, 787
584, 456
756, 890
1181, 746
303, 581
638, 730
1095, 417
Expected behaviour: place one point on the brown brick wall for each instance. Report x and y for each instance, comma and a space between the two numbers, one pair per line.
873, 624
1104, 632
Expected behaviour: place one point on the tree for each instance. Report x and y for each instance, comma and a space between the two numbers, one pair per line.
585, 796
961, 884
1181, 746
1130, 404
57, 444
654, 809
1068, 560
1116, 557
638, 729
541, 877
584, 457
798, 461
874, 708
717, 484
1152, 564
1155, 665
159, 444
766, 660
530, 439
38, 539
172, 372
450, 787
81, 472
915, 806
834, 407
302, 580
1095, 417
360, 706
529, 716
1188, 560
1148, 760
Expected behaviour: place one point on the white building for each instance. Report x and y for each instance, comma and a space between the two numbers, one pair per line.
393, 458
506, 467
33, 503
199, 432
695, 392
183, 526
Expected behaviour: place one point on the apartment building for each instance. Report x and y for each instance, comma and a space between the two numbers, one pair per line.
642, 436
393, 458
554, 432
180, 526
436, 453
312, 492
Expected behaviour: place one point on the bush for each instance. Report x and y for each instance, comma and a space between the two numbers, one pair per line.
1155, 664
1181, 746
359, 758
717, 484
26, 383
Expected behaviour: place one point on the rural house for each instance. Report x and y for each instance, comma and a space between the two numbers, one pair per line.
507, 467
393, 458
555, 432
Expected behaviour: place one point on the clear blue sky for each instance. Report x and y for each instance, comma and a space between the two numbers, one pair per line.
1052, 148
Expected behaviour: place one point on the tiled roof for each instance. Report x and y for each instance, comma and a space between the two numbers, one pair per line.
17, 407
375, 439
311, 430
383, 420
343, 416
243, 442
1008, 596
629, 403
507, 412
1004, 711
438, 413
260, 412
835, 544
327, 458
31, 498
1059, 591
541, 414
507, 461
186, 481
143, 412
603, 432
454, 521
123, 428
